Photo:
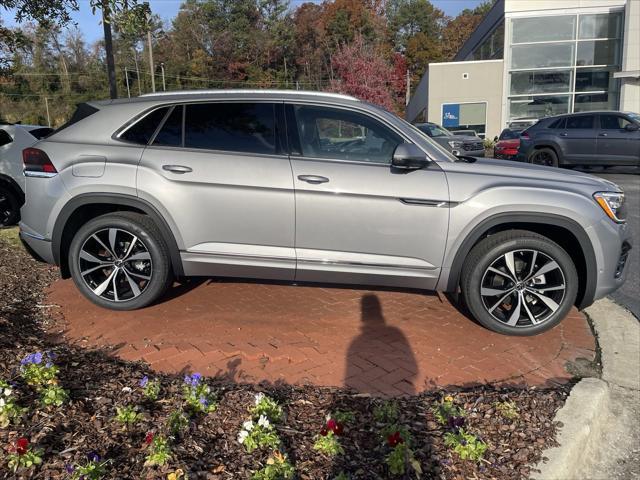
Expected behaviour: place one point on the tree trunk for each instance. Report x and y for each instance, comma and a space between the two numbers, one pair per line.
108, 46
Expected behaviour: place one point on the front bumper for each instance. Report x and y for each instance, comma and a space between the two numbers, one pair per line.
612, 243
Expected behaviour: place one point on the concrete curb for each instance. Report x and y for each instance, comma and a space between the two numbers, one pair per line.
586, 414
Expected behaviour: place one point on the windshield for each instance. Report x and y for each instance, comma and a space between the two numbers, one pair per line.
434, 130
634, 116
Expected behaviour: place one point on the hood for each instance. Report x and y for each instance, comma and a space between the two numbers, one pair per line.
518, 173
466, 138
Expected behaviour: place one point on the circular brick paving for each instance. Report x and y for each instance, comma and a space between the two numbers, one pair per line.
379, 342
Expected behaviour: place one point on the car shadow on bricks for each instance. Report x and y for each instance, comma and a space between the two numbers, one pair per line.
380, 360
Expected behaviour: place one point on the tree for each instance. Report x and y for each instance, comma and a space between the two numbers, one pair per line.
458, 30
360, 71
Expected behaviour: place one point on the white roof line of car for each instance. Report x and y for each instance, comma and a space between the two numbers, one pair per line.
253, 91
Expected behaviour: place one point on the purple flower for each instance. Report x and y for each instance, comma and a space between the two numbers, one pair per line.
144, 381
455, 423
203, 401
193, 379
93, 457
69, 468
37, 358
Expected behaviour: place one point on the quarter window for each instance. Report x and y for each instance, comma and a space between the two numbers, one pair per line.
231, 127
344, 135
580, 122
170, 135
5, 138
613, 122
142, 131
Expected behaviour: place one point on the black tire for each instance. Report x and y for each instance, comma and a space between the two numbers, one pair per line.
149, 246
530, 299
544, 156
9, 207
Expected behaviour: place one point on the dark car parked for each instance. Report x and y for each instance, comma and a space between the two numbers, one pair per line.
590, 138
506, 147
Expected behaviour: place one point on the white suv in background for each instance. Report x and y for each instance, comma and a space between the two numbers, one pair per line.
13, 139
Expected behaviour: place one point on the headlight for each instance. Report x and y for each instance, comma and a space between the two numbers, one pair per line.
455, 144
613, 205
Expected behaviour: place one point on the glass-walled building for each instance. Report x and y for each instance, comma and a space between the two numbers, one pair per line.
533, 58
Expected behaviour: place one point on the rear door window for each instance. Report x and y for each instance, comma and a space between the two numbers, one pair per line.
231, 127
560, 123
170, 134
582, 122
142, 131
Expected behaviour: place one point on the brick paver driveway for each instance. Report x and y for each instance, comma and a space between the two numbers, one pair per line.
378, 342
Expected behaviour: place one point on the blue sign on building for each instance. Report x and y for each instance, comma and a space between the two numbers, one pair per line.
451, 115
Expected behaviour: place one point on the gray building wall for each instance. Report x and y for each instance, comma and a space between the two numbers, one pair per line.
630, 74
447, 84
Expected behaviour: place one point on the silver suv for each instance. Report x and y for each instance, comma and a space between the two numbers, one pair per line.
310, 187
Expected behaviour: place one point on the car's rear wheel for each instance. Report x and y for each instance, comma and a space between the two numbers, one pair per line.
545, 157
519, 283
9, 207
120, 261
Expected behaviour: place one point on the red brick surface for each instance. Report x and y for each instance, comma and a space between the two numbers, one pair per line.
378, 342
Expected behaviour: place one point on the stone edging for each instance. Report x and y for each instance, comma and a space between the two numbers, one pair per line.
586, 411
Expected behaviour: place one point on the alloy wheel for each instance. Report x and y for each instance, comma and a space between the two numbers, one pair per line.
542, 158
6, 209
115, 264
523, 288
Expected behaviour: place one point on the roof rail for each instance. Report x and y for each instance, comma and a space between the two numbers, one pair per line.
251, 91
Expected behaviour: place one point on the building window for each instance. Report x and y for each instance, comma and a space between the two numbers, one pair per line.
492, 47
563, 64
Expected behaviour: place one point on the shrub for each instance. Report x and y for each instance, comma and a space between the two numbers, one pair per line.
198, 395
466, 445
159, 452
128, 415
258, 435
277, 468
267, 407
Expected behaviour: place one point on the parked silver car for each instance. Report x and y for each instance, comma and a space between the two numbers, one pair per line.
456, 144
311, 187
13, 139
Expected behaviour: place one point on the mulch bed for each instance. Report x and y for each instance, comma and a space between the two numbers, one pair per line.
209, 448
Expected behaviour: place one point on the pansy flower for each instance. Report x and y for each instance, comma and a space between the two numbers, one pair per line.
93, 457
22, 445
148, 438
144, 381
394, 439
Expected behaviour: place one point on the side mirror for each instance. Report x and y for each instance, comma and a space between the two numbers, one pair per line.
409, 157
631, 127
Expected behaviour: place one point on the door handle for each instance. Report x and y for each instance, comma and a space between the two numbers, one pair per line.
563, 134
177, 168
603, 134
313, 179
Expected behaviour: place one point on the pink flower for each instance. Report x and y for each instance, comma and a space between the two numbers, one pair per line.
22, 445
149, 438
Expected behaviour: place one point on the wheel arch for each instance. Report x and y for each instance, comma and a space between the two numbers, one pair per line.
82, 208
568, 233
551, 145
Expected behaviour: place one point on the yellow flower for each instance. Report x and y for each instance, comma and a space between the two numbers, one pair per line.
448, 398
177, 475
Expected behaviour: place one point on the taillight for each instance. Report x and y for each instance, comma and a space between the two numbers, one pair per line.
37, 163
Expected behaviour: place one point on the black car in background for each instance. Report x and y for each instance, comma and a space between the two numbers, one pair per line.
604, 138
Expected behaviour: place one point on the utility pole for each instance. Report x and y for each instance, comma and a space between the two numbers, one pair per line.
151, 66
108, 47
164, 86
46, 105
126, 79
408, 94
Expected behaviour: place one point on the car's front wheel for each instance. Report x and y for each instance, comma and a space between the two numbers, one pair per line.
519, 283
120, 261
545, 157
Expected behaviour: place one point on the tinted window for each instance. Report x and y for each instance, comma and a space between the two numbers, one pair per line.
613, 122
142, 131
5, 138
232, 127
170, 134
560, 123
40, 133
509, 134
344, 135
584, 121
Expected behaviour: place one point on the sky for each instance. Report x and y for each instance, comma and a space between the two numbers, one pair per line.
90, 25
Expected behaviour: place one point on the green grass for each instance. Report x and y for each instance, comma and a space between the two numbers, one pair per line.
10, 236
